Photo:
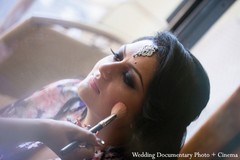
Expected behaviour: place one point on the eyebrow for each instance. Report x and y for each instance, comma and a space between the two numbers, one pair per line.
131, 66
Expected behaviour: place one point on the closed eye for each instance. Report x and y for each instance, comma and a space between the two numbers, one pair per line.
129, 79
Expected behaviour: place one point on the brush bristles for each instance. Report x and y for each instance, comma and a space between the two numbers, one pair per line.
119, 109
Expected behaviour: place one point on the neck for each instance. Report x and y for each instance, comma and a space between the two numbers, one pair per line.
91, 118
115, 134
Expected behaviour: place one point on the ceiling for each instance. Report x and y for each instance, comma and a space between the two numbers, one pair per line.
126, 19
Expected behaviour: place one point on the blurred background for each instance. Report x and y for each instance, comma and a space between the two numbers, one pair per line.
47, 40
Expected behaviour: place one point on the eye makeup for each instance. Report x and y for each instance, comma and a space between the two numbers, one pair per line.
128, 79
128, 75
117, 56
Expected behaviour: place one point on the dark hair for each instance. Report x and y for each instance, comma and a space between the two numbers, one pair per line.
176, 96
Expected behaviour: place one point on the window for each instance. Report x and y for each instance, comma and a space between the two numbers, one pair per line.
218, 50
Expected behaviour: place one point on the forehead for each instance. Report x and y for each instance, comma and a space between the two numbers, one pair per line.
145, 65
134, 47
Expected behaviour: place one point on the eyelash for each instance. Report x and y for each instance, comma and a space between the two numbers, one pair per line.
117, 56
128, 79
127, 76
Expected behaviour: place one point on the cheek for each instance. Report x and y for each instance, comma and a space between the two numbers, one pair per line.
134, 107
132, 100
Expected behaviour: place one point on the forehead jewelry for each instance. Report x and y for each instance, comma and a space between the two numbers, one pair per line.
146, 51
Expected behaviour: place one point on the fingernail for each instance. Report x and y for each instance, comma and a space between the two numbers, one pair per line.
100, 141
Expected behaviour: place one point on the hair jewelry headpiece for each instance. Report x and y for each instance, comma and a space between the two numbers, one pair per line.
146, 51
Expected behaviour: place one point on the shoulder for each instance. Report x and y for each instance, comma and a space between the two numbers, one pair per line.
62, 89
63, 83
46, 101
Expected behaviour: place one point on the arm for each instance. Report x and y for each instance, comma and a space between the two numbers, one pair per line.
55, 134
18, 130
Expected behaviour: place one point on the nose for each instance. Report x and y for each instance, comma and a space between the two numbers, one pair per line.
110, 70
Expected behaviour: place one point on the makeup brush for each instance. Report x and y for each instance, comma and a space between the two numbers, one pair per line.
117, 111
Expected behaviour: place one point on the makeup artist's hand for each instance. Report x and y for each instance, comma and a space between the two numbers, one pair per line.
80, 153
57, 134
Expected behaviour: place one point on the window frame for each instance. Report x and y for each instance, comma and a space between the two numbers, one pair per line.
192, 18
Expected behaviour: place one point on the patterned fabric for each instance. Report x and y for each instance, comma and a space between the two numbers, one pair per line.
58, 100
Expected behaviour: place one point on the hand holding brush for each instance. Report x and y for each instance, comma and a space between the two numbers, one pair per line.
117, 111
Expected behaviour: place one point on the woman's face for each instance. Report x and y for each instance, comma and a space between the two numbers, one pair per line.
118, 78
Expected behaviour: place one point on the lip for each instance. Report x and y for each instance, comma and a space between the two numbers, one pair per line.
93, 85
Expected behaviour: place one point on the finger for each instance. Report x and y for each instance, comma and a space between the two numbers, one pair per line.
81, 152
90, 138
85, 152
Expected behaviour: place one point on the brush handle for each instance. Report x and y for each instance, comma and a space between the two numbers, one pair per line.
69, 147
94, 129
74, 144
